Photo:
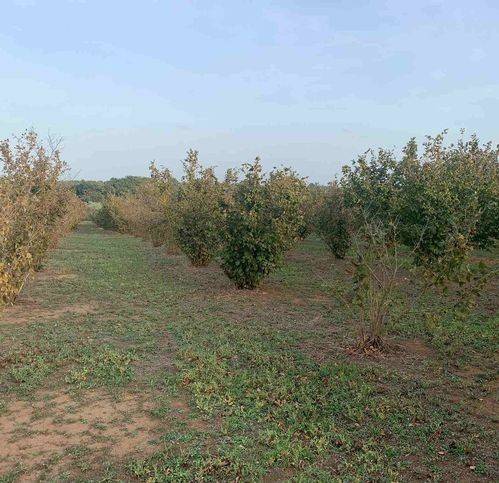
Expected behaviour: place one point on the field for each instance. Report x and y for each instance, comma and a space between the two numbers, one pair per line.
120, 362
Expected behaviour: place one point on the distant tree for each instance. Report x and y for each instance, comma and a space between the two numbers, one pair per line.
312, 201
90, 191
126, 185
97, 191
332, 221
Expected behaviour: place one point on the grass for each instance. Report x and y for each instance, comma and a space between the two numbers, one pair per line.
225, 385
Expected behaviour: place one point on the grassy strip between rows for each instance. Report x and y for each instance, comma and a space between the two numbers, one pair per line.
274, 412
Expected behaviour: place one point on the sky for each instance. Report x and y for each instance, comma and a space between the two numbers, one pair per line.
308, 84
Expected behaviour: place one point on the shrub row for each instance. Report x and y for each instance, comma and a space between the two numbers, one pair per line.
432, 208
35, 210
435, 207
440, 205
248, 224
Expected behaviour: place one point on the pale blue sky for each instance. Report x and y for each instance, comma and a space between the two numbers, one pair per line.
305, 83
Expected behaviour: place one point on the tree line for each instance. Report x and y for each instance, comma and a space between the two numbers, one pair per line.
91, 191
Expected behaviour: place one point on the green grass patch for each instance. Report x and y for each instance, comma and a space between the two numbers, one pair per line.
271, 389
